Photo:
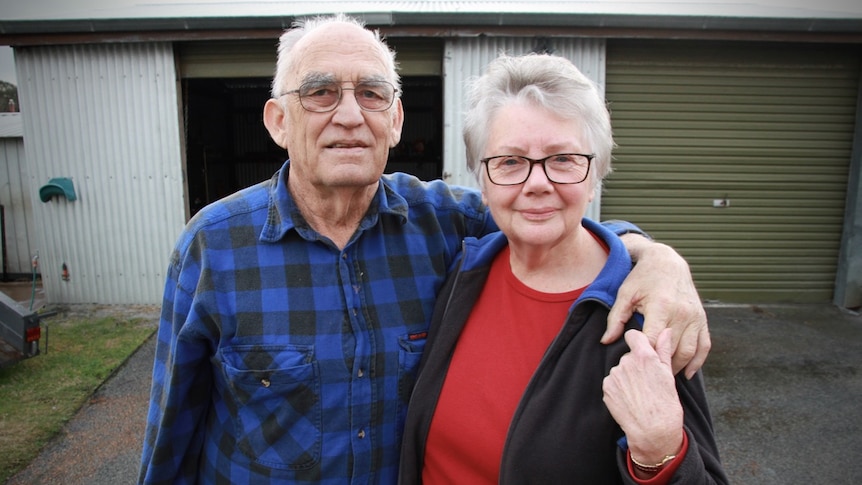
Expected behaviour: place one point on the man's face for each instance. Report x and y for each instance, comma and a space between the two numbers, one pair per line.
348, 146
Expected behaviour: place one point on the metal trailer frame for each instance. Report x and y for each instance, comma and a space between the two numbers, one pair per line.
20, 332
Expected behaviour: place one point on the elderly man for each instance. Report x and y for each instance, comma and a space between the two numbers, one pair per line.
296, 311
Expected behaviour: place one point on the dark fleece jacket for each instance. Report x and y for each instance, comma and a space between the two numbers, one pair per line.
561, 431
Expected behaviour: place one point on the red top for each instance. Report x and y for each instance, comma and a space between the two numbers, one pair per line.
502, 343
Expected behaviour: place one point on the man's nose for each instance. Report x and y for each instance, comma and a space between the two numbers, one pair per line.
348, 107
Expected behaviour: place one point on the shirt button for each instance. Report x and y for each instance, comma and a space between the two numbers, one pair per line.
265, 382
360, 373
361, 434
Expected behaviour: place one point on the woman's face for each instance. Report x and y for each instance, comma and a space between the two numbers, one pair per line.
538, 212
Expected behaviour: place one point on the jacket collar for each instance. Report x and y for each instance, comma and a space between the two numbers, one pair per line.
480, 252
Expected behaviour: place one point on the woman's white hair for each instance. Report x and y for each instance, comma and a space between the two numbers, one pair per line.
550, 82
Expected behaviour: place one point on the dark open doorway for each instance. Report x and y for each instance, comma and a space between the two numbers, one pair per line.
421, 148
228, 147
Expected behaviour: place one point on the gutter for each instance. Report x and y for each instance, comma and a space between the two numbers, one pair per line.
65, 31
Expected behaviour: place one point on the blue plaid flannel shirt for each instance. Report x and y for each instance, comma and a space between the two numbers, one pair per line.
282, 359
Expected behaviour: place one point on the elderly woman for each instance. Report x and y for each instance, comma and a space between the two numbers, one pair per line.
513, 376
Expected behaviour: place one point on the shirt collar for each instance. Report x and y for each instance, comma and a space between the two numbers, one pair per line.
283, 215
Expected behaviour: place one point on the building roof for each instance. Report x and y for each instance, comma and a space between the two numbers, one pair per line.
11, 125
140, 9
95, 16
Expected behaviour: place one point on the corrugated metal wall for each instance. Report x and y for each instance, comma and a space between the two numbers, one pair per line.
767, 128
105, 116
466, 58
17, 208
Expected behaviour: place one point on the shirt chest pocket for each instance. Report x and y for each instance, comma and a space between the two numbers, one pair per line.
273, 393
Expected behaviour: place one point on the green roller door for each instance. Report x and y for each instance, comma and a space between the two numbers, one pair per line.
736, 154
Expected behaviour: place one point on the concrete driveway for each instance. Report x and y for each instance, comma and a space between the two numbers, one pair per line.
784, 383
785, 386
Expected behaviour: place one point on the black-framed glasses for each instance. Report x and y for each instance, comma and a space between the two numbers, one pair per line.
561, 168
320, 97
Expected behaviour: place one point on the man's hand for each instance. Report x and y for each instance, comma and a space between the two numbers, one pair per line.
660, 287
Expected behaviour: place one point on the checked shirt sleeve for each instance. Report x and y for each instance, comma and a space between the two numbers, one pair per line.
180, 390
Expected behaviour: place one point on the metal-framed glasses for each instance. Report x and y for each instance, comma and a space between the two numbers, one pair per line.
320, 97
561, 168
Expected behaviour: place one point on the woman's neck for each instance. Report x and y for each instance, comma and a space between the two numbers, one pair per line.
569, 265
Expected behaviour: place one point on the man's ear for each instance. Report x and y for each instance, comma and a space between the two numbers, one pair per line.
274, 119
397, 123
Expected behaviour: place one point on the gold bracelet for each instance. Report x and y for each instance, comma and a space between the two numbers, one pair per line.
651, 468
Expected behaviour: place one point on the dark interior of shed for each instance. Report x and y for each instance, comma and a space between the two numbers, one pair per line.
228, 147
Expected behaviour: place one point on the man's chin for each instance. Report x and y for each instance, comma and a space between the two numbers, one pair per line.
345, 177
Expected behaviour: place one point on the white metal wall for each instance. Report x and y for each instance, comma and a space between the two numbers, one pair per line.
17, 207
466, 58
105, 116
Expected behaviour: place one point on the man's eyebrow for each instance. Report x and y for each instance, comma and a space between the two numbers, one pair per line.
373, 78
318, 78
328, 78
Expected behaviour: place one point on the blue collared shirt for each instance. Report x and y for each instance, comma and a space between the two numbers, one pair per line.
283, 359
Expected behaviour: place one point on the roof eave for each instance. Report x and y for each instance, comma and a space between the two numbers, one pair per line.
29, 32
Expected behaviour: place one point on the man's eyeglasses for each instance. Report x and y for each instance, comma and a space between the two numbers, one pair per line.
562, 168
322, 97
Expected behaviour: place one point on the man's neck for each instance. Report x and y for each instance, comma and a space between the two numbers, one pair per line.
334, 212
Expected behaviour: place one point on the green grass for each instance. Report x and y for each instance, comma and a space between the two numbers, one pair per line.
39, 395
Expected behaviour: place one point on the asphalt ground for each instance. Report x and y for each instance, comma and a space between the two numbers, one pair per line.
784, 384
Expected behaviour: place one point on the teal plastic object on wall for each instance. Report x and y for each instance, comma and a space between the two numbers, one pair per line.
59, 186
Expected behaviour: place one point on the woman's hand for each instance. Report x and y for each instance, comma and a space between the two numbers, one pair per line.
641, 395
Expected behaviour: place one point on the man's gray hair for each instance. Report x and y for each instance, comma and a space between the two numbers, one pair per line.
301, 27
